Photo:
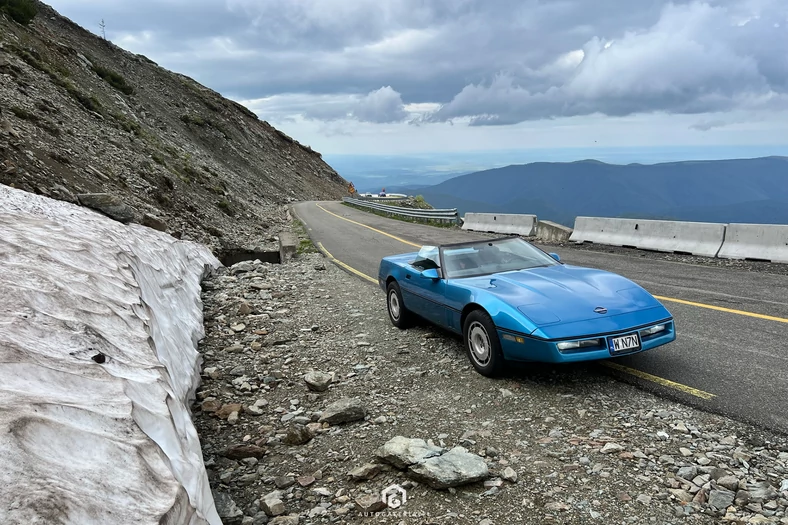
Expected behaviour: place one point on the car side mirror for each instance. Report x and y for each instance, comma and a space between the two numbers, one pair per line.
431, 273
555, 256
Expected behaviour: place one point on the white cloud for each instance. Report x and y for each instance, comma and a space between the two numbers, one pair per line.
345, 73
695, 59
381, 106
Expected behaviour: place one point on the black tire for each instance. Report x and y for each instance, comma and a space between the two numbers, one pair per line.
478, 331
398, 314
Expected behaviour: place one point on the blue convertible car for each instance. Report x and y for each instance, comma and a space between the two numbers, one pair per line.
512, 301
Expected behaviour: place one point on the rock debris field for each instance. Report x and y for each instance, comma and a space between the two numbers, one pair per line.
315, 409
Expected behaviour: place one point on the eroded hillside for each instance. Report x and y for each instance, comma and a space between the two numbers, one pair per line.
80, 115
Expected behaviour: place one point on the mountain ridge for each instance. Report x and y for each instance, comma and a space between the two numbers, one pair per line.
755, 188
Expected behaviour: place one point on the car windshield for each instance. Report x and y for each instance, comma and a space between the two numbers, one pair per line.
487, 257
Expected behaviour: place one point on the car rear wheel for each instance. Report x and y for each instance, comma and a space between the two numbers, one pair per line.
482, 344
398, 314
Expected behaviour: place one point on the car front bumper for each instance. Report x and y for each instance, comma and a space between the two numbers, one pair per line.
526, 348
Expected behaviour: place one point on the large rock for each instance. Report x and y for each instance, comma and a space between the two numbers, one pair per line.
403, 452
343, 411
109, 205
452, 469
432, 464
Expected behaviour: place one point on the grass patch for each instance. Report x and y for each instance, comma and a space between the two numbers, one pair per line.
20, 11
226, 207
89, 102
126, 124
24, 114
413, 220
203, 122
113, 79
194, 119
158, 159
50, 128
305, 244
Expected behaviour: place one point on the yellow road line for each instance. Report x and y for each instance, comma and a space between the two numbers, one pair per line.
345, 266
722, 309
370, 227
660, 380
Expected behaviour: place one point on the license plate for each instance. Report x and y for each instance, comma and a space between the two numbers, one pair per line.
624, 343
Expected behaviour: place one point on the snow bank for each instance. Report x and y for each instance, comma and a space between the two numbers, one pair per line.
99, 324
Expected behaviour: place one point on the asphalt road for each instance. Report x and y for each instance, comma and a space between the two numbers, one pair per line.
723, 360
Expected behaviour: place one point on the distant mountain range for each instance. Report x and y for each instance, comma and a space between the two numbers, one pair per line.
740, 190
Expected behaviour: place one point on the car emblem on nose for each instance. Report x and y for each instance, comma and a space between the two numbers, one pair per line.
600, 310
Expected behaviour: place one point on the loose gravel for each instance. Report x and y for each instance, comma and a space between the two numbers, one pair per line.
305, 379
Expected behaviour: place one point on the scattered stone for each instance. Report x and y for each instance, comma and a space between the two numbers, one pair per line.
729, 482
285, 520
225, 506
370, 503
365, 472
318, 381
345, 410
244, 451
721, 499
272, 505
245, 308
611, 447
403, 452
283, 482
761, 491
109, 205
151, 221
298, 435
226, 410
509, 474
452, 469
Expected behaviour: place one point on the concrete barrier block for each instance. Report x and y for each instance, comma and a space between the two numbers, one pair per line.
288, 245
696, 238
756, 241
552, 231
506, 223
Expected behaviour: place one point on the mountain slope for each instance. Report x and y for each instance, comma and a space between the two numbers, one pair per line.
726, 191
81, 115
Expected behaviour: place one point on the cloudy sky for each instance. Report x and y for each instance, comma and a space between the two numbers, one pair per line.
410, 76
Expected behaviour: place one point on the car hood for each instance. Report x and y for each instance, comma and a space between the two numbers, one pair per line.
565, 294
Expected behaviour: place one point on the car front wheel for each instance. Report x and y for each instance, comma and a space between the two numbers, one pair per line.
482, 344
398, 314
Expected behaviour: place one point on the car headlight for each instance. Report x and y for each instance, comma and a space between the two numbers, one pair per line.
586, 343
653, 330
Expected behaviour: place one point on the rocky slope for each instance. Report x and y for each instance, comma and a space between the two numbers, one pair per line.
80, 115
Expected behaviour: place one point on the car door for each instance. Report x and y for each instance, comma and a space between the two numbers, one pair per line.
431, 297
423, 295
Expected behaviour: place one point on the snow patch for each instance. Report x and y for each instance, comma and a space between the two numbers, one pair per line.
99, 324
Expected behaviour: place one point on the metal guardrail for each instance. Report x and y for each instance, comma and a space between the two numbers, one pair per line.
448, 215
383, 199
